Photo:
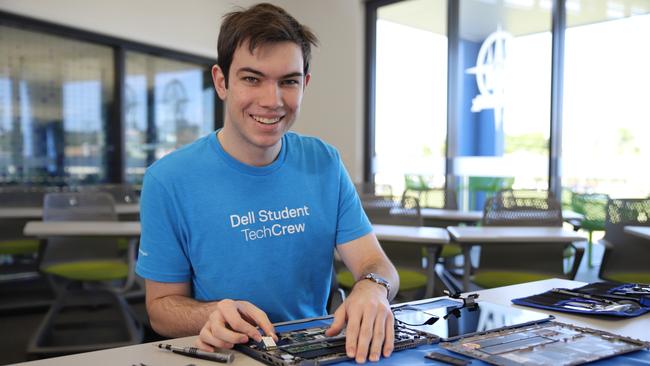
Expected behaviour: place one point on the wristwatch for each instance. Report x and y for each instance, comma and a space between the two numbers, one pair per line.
379, 280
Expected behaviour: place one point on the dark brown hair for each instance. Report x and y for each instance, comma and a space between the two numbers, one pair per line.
261, 24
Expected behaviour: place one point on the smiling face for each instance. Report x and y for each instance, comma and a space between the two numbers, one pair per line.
262, 100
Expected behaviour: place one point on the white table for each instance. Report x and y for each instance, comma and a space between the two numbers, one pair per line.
433, 238
37, 212
468, 236
148, 354
640, 231
43, 229
439, 217
569, 215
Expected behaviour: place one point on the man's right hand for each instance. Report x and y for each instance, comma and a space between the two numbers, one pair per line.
234, 322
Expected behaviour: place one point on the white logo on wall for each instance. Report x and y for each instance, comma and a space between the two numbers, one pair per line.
490, 71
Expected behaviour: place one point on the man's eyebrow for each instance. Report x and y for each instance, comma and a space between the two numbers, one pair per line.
293, 75
251, 70
257, 72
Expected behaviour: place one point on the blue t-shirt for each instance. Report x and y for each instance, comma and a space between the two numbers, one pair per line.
261, 234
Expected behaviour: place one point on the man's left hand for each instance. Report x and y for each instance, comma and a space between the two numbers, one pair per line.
370, 324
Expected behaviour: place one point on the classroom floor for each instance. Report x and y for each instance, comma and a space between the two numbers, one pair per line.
18, 322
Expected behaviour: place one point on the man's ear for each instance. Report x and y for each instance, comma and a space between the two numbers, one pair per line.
219, 80
307, 78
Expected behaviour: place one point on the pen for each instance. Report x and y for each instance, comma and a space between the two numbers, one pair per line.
197, 353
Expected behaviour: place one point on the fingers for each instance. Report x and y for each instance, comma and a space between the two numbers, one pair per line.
203, 346
214, 333
230, 311
389, 340
377, 342
257, 316
338, 323
352, 333
365, 332
376, 334
234, 322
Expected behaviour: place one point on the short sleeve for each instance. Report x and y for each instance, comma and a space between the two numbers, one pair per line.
162, 256
352, 220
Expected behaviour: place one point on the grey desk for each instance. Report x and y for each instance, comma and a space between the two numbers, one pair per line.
37, 212
468, 236
433, 238
149, 355
640, 231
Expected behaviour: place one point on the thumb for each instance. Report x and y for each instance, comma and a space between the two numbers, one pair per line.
338, 323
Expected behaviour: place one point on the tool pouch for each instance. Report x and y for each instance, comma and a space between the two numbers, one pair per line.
598, 298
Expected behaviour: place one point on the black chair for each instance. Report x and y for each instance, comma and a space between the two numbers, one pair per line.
13, 243
503, 264
368, 190
627, 257
90, 276
21, 284
434, 197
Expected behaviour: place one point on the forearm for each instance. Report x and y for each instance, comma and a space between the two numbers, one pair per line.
364, 255
178, 316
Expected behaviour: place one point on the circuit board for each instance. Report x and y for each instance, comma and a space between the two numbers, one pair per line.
549, 343
312, 347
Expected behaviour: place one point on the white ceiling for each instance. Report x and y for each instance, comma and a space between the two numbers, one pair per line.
519, 17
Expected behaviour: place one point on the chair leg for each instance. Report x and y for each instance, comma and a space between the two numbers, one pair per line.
590, 250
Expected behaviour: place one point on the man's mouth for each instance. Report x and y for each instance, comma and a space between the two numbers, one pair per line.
267, 121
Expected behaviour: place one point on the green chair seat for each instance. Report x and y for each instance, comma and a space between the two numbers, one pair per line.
19, 246
408, 280
123, 243
449, 251
630, 277
491, 279
345, 279
100, 270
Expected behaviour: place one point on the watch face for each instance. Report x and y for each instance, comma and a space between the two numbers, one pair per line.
379, 280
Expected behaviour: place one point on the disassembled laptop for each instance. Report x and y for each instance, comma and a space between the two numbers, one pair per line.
535, 341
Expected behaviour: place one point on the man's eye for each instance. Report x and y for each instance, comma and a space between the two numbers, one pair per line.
250, 79
290, 82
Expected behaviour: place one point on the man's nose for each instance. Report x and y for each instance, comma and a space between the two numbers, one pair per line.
271, 96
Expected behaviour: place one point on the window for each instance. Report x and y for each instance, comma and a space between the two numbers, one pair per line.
64, 119
411, 93
504, 107
168, 104
53, 97
606, 134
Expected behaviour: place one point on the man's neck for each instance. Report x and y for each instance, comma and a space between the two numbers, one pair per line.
252, 156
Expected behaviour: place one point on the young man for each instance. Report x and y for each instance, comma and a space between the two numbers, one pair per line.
239, 227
